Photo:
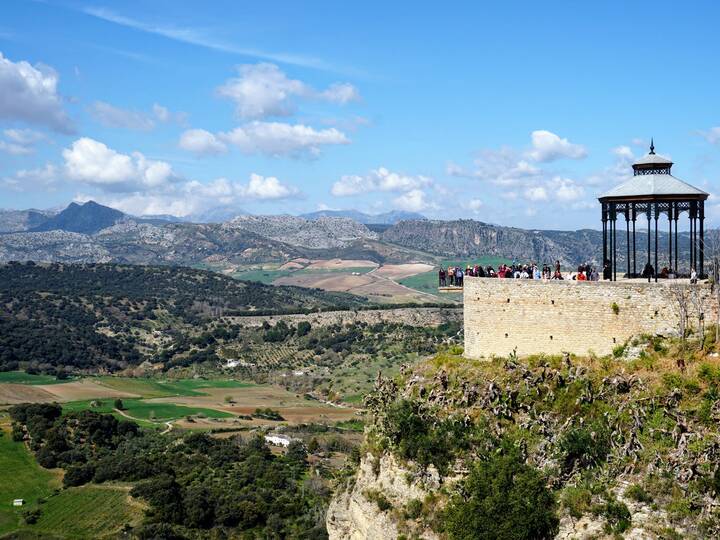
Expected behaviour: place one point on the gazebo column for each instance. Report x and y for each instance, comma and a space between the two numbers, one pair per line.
656, 242
670, 238
634, 255
604, 226
701, 272
649, 214
613, 239
627, 238
691, 213
676, 215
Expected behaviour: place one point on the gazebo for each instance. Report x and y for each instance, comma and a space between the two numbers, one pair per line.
653, 191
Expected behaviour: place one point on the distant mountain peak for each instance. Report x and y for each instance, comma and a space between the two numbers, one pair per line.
87, 218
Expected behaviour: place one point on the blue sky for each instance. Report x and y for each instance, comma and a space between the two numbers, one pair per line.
516, 113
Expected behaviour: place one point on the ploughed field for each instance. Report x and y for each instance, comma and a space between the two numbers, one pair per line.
379, 283
193, 403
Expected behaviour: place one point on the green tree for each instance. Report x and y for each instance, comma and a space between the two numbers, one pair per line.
119, 405
503, 499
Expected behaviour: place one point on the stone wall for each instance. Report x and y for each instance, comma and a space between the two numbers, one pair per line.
568, 316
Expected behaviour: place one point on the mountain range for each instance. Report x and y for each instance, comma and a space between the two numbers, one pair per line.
386, 218
92, 232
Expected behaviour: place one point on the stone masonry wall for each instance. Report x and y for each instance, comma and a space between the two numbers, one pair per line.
567, 316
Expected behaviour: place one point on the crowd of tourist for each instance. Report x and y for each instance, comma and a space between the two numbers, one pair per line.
453, 276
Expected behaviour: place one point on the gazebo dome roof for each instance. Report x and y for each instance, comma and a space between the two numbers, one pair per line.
654, 185
653, 159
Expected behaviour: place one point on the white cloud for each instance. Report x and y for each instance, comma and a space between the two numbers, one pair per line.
189, 197
161, 113
201, 142
474, 205
115, 117
202, 38
536, 193
92, 162
266, 188
712, 135
29, 93
565, 189
503, 167
29, 179
380, 179
548, 146
264, 90
280, 139
412, 201
15, 149
341, 93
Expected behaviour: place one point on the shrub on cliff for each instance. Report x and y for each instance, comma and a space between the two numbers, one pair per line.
502, 499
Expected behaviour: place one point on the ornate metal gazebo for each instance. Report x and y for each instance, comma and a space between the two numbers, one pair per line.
653, 191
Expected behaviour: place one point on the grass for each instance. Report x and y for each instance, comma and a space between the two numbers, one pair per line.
427, 282
20, 478
150, 388
20, 377
87, 512
144, 410
268, 276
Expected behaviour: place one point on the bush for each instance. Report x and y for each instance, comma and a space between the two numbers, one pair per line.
585, 446
616, 514
31, 516
413, 509
637, 493
504, 499
577, 501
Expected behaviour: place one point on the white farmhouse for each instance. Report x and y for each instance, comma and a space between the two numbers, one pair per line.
277, 440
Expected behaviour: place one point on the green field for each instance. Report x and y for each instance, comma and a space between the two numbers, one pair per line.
87, 512
143, 410
20, 377
428, 282
20, 478
150, 388
268, 276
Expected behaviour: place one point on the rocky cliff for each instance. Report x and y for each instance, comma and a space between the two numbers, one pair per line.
548, 446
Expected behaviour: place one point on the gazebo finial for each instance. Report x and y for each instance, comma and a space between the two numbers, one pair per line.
652, 146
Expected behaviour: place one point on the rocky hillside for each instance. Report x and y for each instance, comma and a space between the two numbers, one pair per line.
543, 447
385, 218
469, 238
22, 220
320, 233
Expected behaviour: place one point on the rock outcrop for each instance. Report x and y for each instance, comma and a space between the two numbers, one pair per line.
354, 515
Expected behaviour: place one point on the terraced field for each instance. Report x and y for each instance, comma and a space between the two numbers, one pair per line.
20, 478
88, 512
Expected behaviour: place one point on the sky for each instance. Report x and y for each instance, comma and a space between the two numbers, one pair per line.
515, 113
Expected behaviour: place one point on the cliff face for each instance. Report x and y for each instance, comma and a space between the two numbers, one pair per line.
555, 447
355, 514
469, 238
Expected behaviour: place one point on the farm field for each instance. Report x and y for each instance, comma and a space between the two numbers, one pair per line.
379, 283
144, 410
151, 388
244, 401
20, 478
88, 512
20, 377
153, 402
